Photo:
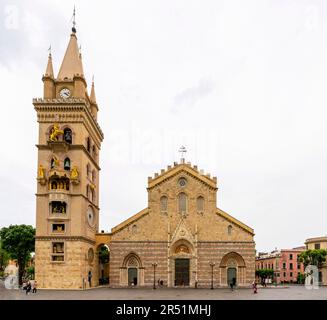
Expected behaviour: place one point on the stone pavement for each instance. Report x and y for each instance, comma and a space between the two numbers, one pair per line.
104, 293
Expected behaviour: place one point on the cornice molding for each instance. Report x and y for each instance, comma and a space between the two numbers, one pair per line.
61, 107
69, 238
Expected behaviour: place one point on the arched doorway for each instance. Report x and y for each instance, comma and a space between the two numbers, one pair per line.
103, 254
232, 266
231, 275
182, 272
132, 276
132, 271
182, 264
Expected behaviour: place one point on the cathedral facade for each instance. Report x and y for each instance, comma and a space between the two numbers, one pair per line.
181, 238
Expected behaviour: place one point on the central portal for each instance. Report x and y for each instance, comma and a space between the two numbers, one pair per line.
182, 272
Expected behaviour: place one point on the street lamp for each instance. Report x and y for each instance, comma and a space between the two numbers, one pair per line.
154, 274
212, 264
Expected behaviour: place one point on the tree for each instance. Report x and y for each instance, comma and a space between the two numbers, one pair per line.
314, 257
300, 278
4, 258
19, 242
103, 255
264, 273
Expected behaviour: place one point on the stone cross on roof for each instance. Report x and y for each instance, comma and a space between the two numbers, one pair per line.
182, 150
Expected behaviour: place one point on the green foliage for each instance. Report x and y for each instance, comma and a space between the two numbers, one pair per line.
103, 255
300, 278
314, 257
265, 273
4, 258
19, 242
30, 272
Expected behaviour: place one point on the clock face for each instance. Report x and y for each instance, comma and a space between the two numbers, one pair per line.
90, 216
65, 93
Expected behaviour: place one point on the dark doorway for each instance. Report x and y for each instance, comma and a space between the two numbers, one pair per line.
182, 272
231, 274
132, 276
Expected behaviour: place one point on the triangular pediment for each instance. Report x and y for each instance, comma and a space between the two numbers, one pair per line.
177, 169
182, 231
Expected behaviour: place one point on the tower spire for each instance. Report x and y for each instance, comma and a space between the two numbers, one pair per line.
74, 21
49, 70
92, 94
72, 62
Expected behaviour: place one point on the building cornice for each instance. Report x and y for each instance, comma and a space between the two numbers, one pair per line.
67, 238
63, 106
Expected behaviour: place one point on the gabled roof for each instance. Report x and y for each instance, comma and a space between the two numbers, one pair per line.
130, 220
178, 168
235, 221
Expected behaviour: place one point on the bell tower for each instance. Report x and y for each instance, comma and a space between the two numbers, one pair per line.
67, 198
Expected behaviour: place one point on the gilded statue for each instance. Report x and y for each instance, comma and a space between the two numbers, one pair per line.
54, 162
74, 174
55, 132
41, 172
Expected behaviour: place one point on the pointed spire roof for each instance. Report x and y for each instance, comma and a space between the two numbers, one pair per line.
72, 62
92, 94
49, 70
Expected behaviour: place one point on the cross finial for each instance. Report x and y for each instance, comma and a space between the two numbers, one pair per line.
49, 50
74, 22
182, 150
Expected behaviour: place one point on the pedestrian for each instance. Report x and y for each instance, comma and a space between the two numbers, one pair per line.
89, 277
254, 287
28, 287
34, 287
234, 282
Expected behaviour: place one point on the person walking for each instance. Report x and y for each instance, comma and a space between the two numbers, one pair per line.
89, 277
254, 287
34, 287
234, 282
28, 287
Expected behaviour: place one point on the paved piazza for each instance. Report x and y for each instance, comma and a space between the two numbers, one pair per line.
103, 293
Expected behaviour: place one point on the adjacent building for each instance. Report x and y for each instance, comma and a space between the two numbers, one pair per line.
319, 243
284, 262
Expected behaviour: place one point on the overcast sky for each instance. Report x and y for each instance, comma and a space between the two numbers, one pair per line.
242, 84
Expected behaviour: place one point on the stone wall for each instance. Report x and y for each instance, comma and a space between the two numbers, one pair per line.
64, 275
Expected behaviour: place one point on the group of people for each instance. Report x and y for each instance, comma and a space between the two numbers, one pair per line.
30, 286
232, 285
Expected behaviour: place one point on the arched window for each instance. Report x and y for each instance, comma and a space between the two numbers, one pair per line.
163, 204
68, 136
182, 202
88, 144
88, 170
93, 176
200, 204
87, 191
67, 164
93, 151
229, 230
